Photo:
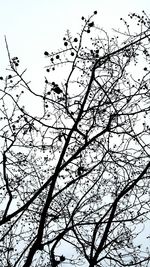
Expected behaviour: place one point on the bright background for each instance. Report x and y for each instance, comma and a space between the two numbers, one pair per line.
33, 26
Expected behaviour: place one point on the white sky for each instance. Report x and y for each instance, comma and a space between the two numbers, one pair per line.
33, 26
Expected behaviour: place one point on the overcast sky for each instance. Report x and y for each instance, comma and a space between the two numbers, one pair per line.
33, 26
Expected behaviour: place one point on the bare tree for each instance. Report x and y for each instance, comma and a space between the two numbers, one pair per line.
77, 176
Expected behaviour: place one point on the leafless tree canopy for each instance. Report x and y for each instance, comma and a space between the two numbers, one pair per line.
74, 180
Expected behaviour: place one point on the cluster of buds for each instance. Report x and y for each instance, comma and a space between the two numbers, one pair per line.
15, 61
